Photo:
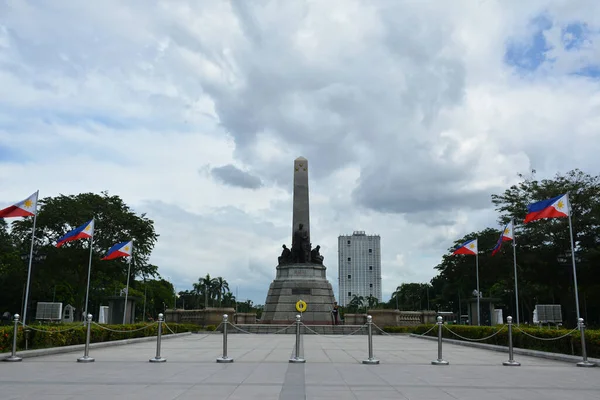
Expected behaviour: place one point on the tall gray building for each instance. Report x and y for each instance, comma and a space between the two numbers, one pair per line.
359, 266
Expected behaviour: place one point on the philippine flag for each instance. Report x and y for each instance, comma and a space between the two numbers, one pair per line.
25, 208
556, 207
122, 249
469, 247
505, 236
83, 232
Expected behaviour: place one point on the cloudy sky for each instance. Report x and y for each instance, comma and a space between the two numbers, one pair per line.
410, 112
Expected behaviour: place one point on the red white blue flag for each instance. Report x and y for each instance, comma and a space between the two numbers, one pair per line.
122, 249
25, 208
83, 232
556, 207
469, 247
505, 236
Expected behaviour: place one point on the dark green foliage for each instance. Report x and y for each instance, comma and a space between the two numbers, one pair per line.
571, 344
545, 274
55, 336
61, 273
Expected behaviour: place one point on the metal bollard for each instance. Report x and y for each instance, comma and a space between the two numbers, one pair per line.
440, 360
158, 358
86, 353
13, 357
297, 358
371, 359
224, 358
585, 362
511, 360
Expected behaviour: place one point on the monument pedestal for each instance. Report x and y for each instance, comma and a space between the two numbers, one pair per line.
294, 282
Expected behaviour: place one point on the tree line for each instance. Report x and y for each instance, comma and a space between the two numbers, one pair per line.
60, 275
214, 292
544, 269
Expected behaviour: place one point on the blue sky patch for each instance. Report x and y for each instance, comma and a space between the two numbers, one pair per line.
591, 71
528, 55
574, 35
8, 154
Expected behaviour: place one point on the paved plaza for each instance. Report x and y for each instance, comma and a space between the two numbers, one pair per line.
261, 371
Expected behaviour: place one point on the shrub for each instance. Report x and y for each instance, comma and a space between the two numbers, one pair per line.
399, 329
570, 344
71, 334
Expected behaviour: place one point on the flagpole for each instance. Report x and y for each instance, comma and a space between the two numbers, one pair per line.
573, 258
127, 289
87, 292
145, 292
478, 294
30, 261
512, 222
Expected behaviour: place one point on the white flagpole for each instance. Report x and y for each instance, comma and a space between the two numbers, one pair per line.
30, 260
514, 238
127, 289
478, 294
87, 292
573, 257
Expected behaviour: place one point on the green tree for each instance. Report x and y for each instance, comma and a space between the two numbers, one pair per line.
206, 289
13, 273
220, 288
543, 252
229, 300
355, 303
159, 297
66, 268
371, 301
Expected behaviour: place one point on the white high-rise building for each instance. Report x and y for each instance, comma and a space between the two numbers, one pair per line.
359, 266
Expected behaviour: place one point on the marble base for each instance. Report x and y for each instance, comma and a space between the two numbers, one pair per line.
295, 282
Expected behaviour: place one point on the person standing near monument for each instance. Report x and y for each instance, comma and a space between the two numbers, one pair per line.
335, 312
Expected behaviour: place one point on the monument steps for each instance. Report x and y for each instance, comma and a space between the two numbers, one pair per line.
305, 330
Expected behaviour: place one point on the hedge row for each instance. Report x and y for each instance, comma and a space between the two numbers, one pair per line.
571, 344
45, 336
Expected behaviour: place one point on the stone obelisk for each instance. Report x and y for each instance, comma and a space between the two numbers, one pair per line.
301, 274
300, 212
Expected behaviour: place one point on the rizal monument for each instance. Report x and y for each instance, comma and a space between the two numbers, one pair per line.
300, 270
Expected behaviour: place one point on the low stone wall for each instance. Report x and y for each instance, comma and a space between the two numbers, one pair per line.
209, 316
355, 319
245, 318
392, 318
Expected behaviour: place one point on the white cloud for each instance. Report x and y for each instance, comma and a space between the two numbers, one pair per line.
409, 114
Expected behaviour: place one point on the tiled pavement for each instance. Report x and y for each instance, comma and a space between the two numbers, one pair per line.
261, 371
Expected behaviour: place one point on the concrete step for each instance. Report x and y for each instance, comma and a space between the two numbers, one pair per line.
305, 330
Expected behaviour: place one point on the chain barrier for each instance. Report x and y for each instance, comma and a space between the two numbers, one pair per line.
546, 339
476, 340
128, 331
334, 336
49, 330
168, 327
430, 329
253, 333
388, 334
381, 330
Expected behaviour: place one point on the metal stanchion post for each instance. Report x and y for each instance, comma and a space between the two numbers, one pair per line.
585, 362
13, 357
86, 353
511, 360
224, 358
440, 360
371, 359
158, 358
297, 358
